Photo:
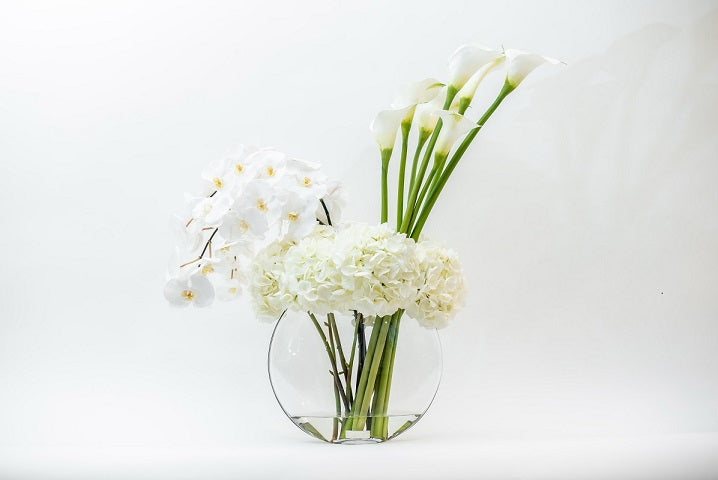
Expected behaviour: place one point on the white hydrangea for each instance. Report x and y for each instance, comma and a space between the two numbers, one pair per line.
267, 288
369, 268
379, 269
443, 292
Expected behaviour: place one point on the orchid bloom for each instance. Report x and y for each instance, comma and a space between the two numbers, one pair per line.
520, 64
194, 289
219, 176
466, 61
211, 210
454, 126
298, 214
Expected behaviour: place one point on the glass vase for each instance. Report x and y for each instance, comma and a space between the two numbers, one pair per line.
343, 378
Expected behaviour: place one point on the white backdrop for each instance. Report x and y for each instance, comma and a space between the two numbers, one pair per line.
586, 216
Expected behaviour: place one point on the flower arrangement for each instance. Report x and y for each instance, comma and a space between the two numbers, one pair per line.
270, 224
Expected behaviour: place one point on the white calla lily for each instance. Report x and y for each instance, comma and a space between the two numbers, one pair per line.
467, 60
454, 126
385, 126
415, 94
467, 92
520, 64
427, 116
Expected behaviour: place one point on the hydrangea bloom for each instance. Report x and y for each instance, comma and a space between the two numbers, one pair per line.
368, 268
443, 292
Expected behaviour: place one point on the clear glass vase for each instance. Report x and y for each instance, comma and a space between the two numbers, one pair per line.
346, 379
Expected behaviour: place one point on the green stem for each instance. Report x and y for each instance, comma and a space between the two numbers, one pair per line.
360, 419
350, 366
423, 137
362, 380
338, 409
338, 384
411, 203
381, 396
333, 325
385, 432
405, 127
385, 157
439, 160
444, 177
332, 358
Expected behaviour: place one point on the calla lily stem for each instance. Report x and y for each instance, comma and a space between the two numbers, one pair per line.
405, 127
411, 204
444, 177
385, 157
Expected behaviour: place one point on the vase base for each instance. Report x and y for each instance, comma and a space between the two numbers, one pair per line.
328, 428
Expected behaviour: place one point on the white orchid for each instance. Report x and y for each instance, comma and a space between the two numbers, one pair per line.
185, 290
241, 165
269, 164
211, 210
520, 64
258, 207
454, 126
189, 236
228, 289
334, 202
219, 176
308, 183
236, 226
467, 60
385, 126
298, 213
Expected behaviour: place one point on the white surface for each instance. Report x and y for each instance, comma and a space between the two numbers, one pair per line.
658, 457
588, 227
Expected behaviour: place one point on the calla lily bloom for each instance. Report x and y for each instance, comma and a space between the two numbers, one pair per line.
466, 61
467, 92
385, 126
520, 64
454, 126
426, 115
415, 94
